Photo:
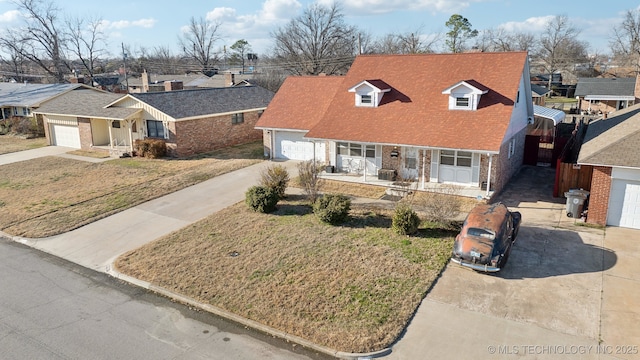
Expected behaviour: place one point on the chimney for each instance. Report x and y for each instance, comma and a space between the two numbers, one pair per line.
173, 85
77, 80
229, 78
636, 90
145, 81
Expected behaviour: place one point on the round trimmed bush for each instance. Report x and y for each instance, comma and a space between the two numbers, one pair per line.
261, 199
332, 208
405, 221
275, 177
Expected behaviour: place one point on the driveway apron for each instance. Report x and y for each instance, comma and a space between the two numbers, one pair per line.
33, 154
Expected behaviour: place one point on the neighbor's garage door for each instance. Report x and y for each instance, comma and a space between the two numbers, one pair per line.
63, 135
624, 204
293, 146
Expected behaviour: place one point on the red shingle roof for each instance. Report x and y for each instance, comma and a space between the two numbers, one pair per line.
415, 112
300, 102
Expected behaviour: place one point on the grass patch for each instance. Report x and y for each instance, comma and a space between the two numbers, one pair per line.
351, 287
347, 188
52, 195
11, 143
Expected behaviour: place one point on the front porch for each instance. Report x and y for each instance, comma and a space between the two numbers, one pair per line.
395, 187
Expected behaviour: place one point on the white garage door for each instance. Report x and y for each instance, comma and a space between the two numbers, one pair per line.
293, 146
68, 136
624, 204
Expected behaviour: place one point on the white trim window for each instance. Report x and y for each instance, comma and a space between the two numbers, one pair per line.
455, 158
155, 129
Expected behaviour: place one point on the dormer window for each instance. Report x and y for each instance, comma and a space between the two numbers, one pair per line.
465, 95
369, 93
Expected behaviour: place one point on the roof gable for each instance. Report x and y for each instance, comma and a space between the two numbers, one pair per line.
416, 113
300, 102
89, 103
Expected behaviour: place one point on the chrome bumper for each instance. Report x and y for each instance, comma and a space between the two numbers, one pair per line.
477, 267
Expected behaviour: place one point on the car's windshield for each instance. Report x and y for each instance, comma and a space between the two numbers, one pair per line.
484, 233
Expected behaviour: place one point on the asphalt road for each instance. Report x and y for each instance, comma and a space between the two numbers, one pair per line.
53, 309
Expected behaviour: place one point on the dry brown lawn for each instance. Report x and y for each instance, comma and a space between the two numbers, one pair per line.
351, 288
11, 143
52, 195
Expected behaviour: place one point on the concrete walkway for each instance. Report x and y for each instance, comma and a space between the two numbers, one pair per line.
98, 244
33, 153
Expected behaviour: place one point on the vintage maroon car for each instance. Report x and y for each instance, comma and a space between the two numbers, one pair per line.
486, 238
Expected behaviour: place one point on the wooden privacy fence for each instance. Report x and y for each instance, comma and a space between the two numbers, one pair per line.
571, 176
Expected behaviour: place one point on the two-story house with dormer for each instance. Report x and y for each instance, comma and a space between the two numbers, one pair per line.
432, 119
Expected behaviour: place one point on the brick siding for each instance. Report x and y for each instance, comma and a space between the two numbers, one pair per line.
207, 134
599, 195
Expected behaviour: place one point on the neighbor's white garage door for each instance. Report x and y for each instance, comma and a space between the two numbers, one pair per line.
63, 135
624, 204
293, 146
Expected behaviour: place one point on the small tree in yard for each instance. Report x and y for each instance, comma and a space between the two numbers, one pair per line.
332, 208
442, 207
405, 221
275, 177
261, 199
309, 179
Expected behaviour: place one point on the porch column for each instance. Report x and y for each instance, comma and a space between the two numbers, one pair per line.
109, 124
364, 160
489, 175
424, 163
129, 123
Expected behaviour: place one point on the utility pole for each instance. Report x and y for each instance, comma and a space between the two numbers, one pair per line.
124, 57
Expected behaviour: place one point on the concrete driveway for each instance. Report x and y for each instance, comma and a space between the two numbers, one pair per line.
568, 291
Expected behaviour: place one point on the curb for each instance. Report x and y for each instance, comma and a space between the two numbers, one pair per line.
243, 321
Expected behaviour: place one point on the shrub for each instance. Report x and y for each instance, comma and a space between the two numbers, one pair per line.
261, 199
151, 148
405, 221
332, 208
443, 206
309, 179
275, 177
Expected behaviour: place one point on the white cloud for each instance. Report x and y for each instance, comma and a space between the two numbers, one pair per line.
360, 7
533, 24
123, 24
221, 14
9, 16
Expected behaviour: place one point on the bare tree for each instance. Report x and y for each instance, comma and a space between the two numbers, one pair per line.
199, 40
40, 39
625, 40
162, 60
14, 61
559, 47
460, 31
502, 40
411, 42
86, 42
318, 41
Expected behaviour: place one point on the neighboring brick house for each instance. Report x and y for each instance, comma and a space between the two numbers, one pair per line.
434, 118
611, 147
190, 121
605, 95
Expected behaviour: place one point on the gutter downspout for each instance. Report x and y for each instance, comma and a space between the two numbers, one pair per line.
489, 175
364, 160
272, 140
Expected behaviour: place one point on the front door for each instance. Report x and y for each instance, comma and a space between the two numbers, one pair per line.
410, 163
